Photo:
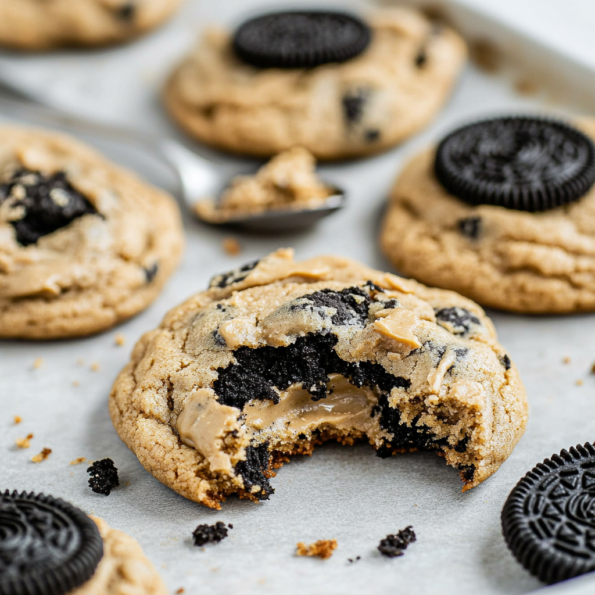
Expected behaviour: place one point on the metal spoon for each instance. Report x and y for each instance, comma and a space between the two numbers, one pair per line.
198, 177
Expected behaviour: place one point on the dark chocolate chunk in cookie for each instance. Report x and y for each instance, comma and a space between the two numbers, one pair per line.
523, 163
127, 12
354, 102
372, 135
548, 520
470, 227
42, 204
395, 545
301, 39
456, 320
226, 279
505, 361
255, 471
103, 477
151, 272
204, 534
47, 546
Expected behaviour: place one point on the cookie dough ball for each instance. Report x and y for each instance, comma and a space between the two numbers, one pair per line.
83, 243
278, 356
335, 108
504, 214
47, 24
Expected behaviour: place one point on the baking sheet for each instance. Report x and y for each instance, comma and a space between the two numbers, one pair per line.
346, 493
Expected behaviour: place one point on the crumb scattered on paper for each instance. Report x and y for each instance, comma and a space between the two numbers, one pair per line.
80, 362
180, 591
75, 383
17, 419
42, 456
579, 382
323, 548
95, 367
24, 442
232, 246
38, 363
120, 340
352, 560
566, 360
78, 461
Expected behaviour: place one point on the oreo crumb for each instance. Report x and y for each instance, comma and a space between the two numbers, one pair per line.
323, 548
235, 276
467, 472
505, 361
458, 321
103, 477
151, 272
254, 471
352, 560
204, 534
353, 104
421, 58
470, 227
395, 545
372, 135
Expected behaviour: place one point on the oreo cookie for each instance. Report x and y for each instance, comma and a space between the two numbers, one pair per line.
522, 163
47, 546
46, 203
302, 39
548, 520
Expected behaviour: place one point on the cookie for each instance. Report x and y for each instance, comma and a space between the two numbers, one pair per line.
49, 24
548, 520
351, 106
506, 252
83, 243
279, 356
49, 546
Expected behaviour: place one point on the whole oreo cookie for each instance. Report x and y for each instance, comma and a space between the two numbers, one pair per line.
548, 520
523, 163
301, 39
47, 546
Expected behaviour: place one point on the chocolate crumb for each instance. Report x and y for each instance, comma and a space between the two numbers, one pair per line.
103, 477
42, 456
395, 545
204, 534
323, 548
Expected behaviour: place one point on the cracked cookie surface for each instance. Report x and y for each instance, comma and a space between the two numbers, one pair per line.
47, 24
355, 108
83, 243
279, 356
540, 263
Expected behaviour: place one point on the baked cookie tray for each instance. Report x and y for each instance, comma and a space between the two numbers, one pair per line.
60, 389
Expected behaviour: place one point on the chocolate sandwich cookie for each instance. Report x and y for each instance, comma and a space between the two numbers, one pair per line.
49, 547
34, 25
83, 243
279, 356
337, 84
548, 520
502, 211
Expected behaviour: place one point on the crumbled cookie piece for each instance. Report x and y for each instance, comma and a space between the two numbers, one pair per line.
323, 548
204, 534
579, 382
24, 442
395, 545
38, 363
566, 360
17, 420
103, 477
120, 340
42, 456
232, 247
78, 461
95, 367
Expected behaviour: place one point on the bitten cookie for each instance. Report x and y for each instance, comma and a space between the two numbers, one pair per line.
502, 212
278, 356
83, 243
354, 88
47, 24
49, 546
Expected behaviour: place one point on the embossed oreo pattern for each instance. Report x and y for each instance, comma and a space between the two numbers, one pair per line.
522, 163
548, 520
47, 546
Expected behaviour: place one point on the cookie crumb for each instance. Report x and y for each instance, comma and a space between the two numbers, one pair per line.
42, 456
78, 461
593, 369
204, 534
38, 363
352, 560
17, 420
80, 362
566, 360
180, 591
24, 442
75, 383
323, 548
395, 545
232, 246
526, 87
120, 340
486, 55
103, 477
579, 382
95, 367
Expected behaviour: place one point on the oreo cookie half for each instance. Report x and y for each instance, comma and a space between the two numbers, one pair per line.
548, 520
47, 546
301, 39
523, 163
